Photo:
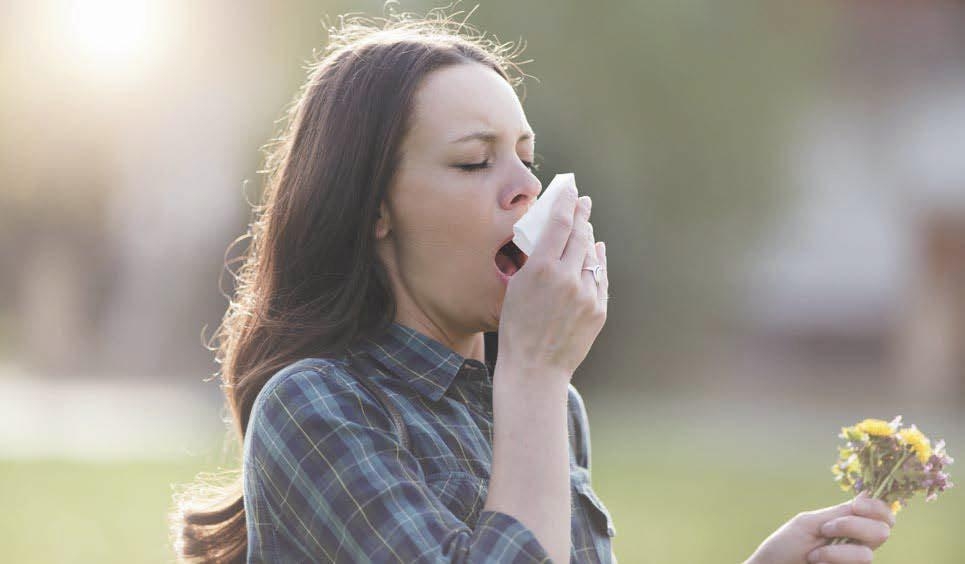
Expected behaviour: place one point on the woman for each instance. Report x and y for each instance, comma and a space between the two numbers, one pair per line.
359, 356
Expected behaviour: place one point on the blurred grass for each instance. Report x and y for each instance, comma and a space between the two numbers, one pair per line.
69, 511
680, 490
693, 509
695, 482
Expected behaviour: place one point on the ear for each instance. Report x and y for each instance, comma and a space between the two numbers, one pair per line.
382, 225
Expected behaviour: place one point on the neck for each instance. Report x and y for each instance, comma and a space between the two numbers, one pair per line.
469, 344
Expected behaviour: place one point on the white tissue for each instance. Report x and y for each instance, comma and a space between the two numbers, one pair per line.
530, 227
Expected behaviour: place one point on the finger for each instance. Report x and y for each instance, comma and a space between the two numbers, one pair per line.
590, 261
578, 242
553, 240
873, 509
814, 519
841, 554
862, 529
600, 248
590, 258
586, 276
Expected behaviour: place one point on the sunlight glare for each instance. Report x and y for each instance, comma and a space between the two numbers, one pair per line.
112, 32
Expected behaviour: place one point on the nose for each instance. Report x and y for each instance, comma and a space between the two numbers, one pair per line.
522, 191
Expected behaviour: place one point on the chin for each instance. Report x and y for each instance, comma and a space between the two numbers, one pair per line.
495, 316
491, 324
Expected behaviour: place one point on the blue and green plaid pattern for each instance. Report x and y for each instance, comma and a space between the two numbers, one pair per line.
327, 480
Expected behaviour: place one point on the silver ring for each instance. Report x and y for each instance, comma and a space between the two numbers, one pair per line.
596, 271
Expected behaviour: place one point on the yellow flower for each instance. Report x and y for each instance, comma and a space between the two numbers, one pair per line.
853, 434
853, 464
895, 506
918, 441
875, 427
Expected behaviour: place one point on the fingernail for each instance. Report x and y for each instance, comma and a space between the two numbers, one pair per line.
827, 529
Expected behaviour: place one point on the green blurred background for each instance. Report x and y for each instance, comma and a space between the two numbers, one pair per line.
780, 185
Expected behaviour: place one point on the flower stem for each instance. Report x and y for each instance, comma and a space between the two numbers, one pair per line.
888, 479
879, 490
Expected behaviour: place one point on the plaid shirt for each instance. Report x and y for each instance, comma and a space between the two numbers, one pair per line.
326, 478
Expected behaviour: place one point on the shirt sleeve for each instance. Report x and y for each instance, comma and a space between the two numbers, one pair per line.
581, 424
339, 486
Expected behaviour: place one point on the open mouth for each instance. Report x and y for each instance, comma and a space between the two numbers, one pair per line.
509, 258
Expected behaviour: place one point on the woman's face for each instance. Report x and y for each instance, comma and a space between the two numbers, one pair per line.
464, 180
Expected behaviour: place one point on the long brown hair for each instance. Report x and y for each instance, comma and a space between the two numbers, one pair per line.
311, 282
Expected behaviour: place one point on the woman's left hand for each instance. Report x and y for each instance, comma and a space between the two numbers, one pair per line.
803, 539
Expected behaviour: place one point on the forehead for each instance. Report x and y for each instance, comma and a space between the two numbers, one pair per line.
459, 99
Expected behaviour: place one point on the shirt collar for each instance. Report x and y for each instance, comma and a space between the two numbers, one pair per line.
424, 363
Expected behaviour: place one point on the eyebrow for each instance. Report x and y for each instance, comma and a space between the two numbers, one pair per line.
491, 137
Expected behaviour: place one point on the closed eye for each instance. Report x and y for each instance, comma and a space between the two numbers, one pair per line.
485, 164
473, 167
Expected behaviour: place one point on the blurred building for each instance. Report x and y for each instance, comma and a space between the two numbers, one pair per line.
870, 261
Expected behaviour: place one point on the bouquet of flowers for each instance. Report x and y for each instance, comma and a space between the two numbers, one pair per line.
891, 463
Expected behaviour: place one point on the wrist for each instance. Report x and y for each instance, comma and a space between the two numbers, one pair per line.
529, 375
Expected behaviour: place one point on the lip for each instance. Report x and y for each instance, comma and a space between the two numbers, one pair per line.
506, 240
499, 273
500, 246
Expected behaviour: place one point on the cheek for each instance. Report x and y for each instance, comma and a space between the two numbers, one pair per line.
446, 217
442, 226
424, 219
452, 218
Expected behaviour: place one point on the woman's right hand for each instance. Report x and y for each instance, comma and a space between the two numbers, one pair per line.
553, 309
